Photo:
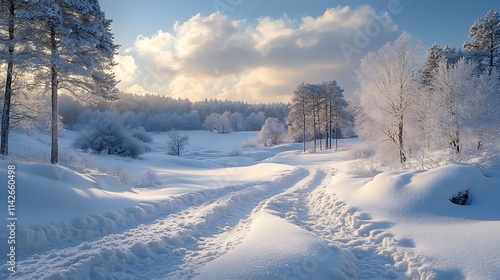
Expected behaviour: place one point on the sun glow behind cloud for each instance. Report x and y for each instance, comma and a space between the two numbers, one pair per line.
216, 56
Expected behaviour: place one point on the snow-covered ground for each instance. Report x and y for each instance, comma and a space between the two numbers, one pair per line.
227, 212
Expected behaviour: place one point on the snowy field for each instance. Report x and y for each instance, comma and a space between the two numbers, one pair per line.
222, 211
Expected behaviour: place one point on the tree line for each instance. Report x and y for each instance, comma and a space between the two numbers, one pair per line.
50, 47
163, 113
446, 100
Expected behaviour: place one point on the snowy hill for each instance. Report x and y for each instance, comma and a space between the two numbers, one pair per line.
226, 212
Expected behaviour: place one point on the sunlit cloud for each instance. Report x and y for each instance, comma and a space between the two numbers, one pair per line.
216, 56
126, 69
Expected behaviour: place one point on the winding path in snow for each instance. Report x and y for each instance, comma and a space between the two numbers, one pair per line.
177, 245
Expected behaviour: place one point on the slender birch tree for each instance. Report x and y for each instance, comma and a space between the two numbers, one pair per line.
388, 80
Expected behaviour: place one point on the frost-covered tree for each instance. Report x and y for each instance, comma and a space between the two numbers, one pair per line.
299, 110
14, 51
454, 101
236, 121
272, 133
484, 46
314, 100
317, 110
177, 143
487, 123
7, 23
389, 80
218, 123
75, 49
335, 109
464, 106
452, 55
254, 122
230, 122
433, 56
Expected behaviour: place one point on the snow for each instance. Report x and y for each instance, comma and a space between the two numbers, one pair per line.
223, 211
264, 255
457, 238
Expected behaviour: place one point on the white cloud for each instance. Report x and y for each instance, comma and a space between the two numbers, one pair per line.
269, 30
151, 46
219, 57
126, 69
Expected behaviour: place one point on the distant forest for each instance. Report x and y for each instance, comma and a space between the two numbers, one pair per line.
163, 113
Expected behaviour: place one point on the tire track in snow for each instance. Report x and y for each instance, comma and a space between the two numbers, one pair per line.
158, 248
57, 235
376, 252
219, 244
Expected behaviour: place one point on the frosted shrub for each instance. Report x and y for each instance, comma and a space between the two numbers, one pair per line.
234, 153
254, 122
364, 168
218, 123
142, 135
148, 179
106, 134
360, 151
121, 173
272, 133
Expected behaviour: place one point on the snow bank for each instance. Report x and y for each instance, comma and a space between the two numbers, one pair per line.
460, 241
427, 194
277, 249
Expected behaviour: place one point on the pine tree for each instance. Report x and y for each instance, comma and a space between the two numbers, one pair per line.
484, 47
75, 46
434, 55
452, 55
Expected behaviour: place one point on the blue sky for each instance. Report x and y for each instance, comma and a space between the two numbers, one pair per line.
245, 52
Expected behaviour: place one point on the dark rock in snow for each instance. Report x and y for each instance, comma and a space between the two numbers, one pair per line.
462, 198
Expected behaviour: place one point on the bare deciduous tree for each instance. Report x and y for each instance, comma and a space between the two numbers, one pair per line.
177, 143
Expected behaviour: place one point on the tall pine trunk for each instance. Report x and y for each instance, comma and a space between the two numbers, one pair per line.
4, 138
54, 153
